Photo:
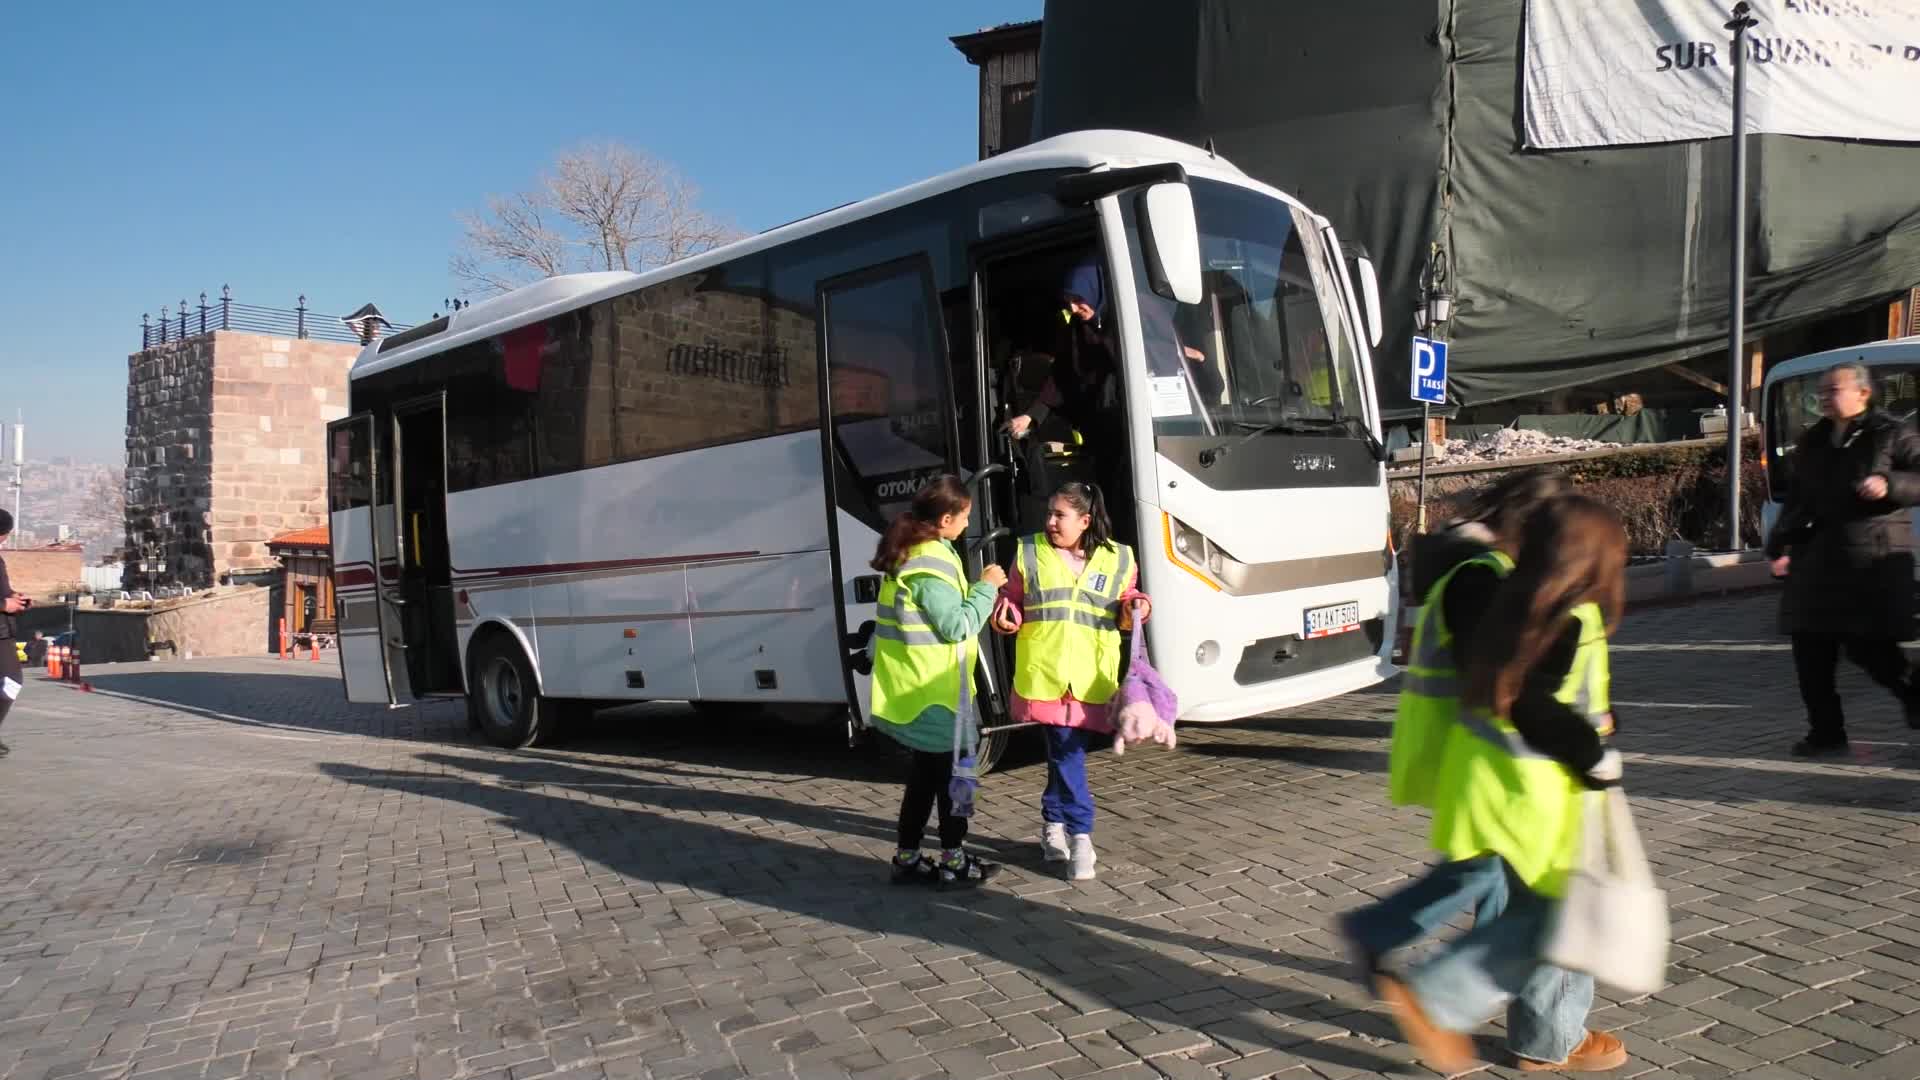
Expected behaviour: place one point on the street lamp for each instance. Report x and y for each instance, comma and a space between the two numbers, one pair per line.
1429, 316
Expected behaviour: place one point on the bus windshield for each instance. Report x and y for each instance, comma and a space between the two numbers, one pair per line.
1793, 406
1274, 352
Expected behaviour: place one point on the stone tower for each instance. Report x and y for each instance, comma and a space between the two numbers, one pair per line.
225, 438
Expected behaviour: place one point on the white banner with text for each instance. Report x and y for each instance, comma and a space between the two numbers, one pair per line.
1624, 72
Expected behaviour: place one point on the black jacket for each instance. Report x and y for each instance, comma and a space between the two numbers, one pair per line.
6, 590
1852, 568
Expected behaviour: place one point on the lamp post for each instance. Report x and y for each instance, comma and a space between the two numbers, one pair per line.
1436, 307
1737, 288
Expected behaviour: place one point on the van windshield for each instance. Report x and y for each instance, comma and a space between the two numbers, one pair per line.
1793, 406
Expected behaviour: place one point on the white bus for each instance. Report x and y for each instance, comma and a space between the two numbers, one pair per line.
608, 488
1790, 404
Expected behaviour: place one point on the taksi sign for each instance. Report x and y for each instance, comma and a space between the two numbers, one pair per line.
1613, 73
1429, 371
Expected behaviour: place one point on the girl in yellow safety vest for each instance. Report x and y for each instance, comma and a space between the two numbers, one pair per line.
1528, 740
927, 619
1070, 598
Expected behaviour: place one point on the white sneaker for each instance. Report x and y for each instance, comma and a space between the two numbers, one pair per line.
1053, 842
1083, 858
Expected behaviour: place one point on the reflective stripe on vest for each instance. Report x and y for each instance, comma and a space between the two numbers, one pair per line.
1429, 704
1069, 641
913, 669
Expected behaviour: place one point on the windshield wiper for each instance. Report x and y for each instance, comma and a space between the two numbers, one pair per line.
1296, 425
1359, 427
1292, 425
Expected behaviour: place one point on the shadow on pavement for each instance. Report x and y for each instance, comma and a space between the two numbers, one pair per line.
1106, 959
1655, 779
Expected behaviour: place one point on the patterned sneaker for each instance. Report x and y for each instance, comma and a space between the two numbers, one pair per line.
915, 869
1053, 842
965, 871
1083, 858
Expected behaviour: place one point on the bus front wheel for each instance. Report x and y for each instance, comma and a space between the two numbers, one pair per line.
503, 696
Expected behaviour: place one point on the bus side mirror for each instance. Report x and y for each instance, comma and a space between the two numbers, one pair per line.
1170, 242
1370, 299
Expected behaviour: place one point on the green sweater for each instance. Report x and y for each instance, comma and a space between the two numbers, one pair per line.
955, 618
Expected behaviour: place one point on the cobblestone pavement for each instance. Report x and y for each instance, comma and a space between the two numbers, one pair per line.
233, 873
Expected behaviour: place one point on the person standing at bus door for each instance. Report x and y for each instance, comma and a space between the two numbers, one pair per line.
1069, 599
1508, 786
1844, 542
1084, 385
12, 679
926, 609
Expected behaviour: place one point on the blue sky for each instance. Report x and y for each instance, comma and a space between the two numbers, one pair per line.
146, 155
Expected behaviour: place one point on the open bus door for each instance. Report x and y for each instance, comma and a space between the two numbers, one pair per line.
355, 500
889, 428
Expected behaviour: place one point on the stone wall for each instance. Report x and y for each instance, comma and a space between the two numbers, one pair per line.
169, 473
272, 400
224, 622
43, 572
225, 436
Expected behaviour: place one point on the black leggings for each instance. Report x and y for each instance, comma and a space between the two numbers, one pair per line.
927, 778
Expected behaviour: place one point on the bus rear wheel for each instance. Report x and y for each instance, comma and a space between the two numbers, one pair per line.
503, 696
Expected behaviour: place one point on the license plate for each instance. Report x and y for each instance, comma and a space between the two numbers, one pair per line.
1333, 619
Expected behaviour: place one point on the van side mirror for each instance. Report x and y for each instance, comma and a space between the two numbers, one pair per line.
1369, 282
1170, 242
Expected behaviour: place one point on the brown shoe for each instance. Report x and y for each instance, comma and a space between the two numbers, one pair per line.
1598, 1052
1444, 1051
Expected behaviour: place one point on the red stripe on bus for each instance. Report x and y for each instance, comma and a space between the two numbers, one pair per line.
604, 564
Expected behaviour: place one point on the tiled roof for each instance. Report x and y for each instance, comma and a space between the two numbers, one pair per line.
315, 537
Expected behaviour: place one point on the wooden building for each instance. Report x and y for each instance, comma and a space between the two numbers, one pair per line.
306, 562
1009, 61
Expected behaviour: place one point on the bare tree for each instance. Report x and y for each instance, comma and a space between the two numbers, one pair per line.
602, 206
107, 506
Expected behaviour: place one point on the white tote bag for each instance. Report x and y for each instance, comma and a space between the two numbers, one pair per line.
1612, 924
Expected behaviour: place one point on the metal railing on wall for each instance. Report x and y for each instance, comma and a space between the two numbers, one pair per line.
226, 313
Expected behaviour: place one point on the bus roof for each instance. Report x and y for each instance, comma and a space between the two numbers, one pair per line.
556, 295
1905, 350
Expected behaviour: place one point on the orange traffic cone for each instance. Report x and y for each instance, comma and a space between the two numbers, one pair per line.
285, 645
53, 661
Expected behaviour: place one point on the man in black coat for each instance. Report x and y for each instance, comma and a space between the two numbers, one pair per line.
11, 604
1844, 542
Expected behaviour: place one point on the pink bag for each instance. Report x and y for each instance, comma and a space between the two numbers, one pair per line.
1145, 707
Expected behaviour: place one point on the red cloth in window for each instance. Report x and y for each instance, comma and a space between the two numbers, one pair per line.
524, 347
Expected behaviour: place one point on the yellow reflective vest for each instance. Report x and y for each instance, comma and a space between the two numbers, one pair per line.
1429, 693
1495, 794
912, 668
1069, 640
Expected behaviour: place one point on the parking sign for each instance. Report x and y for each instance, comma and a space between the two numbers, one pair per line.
1429, 371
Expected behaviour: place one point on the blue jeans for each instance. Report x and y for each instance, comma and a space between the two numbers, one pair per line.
1067, 799
1420, 908
1497, 962
1547, 1015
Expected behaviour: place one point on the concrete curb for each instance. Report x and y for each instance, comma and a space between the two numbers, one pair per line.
1680, 580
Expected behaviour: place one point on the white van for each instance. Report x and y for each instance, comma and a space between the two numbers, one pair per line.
1790, 404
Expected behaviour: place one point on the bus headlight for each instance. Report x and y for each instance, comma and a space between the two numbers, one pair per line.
1191, 552
1207, 653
